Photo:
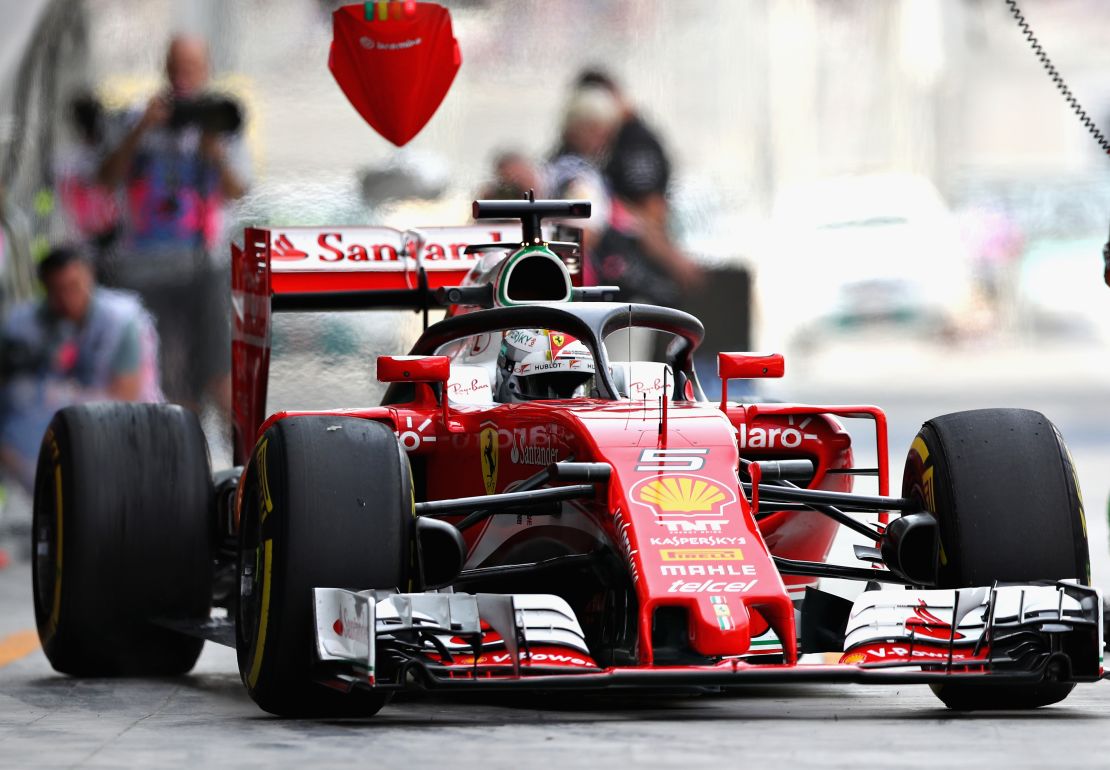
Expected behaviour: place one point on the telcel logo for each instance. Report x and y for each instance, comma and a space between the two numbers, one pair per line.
711, 586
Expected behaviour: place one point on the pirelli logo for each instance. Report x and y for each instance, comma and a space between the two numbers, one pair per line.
702, 554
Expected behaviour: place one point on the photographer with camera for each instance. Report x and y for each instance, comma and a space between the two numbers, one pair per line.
79, 343
180, 161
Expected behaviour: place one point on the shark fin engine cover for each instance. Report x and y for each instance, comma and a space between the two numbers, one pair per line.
395, 71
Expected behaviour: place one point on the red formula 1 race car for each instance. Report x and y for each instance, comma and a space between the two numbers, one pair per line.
525, 512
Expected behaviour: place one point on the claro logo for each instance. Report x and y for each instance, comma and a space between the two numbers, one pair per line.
759, 437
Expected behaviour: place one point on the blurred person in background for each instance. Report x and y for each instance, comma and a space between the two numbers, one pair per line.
180, 161
91, 209
514, 174
591, 118
637, 252
16, 274
79, 343
997, 245
1106, 263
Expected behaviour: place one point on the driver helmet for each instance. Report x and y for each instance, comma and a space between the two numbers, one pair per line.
538, 364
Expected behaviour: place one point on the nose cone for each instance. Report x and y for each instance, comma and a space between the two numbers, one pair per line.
719, 625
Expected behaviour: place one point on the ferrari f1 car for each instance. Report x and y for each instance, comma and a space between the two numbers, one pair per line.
523, 511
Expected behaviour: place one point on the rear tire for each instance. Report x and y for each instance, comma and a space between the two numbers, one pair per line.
1004, 491
327, 503
121, 525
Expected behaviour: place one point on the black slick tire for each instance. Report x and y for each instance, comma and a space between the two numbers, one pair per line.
327, 502
1004, 491
121, 528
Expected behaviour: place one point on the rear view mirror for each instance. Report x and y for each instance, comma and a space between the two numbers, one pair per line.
414, 369
747, 366
421, 369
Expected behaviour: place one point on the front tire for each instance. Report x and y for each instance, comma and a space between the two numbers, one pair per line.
327, 502
1004, 491
122, 536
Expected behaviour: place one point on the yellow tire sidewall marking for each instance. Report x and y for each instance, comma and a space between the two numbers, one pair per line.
264, 614
1079, 501
1078, 491
928, 490
264, 478
56, 606
918, 446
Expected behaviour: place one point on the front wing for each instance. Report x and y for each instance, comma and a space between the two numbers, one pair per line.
1007, 634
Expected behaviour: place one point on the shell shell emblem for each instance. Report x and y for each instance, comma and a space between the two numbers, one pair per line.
682, 495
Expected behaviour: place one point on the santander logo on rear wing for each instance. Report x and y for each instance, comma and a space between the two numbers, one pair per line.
382, 249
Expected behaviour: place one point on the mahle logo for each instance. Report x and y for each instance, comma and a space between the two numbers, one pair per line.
681, 494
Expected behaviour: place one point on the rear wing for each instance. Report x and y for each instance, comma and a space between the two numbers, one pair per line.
334, 268
372, 259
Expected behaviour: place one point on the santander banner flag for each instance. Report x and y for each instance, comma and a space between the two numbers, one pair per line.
394, 61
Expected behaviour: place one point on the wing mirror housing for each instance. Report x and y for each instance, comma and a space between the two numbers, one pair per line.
747, 366
426, 369
414, 369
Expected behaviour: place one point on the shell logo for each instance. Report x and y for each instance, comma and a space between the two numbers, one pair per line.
854, 658
682, 495
686, 495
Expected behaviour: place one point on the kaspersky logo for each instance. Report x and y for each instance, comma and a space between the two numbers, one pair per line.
682, 495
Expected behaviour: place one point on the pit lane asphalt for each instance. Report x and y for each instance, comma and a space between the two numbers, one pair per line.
206, 719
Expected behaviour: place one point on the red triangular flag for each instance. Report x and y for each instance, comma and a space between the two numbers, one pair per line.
394, 72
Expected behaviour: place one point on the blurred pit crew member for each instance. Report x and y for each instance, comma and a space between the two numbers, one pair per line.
636, 252
1106, 263
514, 175
574, 171
79, 343
181, 160
537, 364
91, 209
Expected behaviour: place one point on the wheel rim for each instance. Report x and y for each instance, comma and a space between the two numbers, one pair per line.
46, 546
250, 564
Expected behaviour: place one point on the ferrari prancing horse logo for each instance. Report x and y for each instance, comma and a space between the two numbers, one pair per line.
489, 451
